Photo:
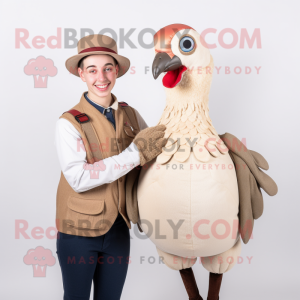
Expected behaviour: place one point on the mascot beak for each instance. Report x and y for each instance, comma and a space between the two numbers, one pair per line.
173, 66
164, 63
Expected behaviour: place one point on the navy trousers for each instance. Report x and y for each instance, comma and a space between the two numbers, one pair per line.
103, 260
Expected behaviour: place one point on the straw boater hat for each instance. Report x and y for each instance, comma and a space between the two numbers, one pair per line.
97, 44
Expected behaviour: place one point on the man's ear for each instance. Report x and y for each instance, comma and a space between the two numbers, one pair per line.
117, 70
81, 74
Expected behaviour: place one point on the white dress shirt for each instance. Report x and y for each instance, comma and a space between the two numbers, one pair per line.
72, 158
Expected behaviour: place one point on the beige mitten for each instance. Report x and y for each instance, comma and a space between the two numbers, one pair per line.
150, 142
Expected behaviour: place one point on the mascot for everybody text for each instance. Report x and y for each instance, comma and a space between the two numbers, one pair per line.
202, 193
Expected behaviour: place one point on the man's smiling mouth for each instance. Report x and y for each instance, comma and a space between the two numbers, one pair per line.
102, 87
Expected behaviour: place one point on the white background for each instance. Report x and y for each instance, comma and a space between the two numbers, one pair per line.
262, 108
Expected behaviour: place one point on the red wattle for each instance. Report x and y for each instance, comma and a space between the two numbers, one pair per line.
172, 78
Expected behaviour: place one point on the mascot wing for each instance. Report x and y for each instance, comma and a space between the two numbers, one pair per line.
251, 179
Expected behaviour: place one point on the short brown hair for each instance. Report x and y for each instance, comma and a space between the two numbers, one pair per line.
81, 65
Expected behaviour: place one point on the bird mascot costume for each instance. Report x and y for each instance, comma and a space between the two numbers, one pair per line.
200, 196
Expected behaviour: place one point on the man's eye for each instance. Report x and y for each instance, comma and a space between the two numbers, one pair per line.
109, 69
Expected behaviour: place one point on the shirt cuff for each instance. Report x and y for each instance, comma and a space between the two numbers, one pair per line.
134, 154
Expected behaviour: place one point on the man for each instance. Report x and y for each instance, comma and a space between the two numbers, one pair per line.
93, 240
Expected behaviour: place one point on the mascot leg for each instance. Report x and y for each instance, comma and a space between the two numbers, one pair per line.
175, 262
222, 262
215, 281
219, 264
190, 284
184, 266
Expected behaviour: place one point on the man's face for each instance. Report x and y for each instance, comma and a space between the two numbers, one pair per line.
99, 73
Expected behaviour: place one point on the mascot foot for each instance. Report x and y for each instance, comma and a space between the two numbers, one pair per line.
190, 284
215, 281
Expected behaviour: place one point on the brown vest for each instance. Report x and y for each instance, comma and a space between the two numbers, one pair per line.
92, 213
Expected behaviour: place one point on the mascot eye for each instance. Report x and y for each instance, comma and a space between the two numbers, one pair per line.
187, 44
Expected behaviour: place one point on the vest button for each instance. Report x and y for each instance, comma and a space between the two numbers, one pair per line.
120, 179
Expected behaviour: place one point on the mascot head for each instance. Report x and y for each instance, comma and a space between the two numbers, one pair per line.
178, 48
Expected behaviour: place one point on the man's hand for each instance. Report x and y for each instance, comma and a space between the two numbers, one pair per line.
150, 142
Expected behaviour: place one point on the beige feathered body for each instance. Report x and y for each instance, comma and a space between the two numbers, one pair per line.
193, 181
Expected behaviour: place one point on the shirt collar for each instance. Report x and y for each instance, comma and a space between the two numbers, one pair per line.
114, 106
